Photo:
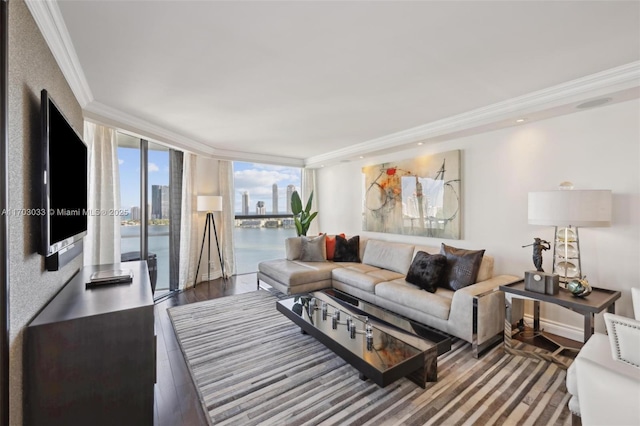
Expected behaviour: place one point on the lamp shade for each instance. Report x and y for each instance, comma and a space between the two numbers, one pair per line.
591, 208
209, 203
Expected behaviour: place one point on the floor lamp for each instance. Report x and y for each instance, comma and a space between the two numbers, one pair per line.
209, 204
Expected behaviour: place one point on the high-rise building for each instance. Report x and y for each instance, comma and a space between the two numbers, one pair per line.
135, 213
165, 201
290, 189
159, 202
156, 201
245, 203
274, 198
260, 208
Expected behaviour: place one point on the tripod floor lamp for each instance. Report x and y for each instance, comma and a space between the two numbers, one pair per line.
209, 204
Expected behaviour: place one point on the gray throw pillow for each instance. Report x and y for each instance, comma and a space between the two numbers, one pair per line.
313, 249
462, 267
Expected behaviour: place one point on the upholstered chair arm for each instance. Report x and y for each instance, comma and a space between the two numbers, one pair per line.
608, 390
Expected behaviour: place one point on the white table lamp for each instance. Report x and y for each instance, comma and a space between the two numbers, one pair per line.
566, 210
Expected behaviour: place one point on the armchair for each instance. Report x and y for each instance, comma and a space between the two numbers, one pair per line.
604, 379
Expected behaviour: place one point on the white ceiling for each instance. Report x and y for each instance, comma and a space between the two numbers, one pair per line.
309, 82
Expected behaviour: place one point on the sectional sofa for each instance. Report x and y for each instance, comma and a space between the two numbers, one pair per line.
474, 313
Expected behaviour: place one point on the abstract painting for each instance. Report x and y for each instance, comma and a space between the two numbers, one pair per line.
420, 196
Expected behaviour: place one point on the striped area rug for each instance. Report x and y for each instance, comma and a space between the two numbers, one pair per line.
252, 365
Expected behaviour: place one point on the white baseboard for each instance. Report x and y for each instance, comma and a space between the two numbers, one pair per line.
564, 330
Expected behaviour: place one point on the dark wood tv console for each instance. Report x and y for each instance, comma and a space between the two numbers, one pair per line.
90, 356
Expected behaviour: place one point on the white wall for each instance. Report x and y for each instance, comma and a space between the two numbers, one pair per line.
594, 149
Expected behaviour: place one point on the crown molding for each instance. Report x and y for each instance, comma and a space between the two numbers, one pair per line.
251, 157
608, 81
51, 24
106, 115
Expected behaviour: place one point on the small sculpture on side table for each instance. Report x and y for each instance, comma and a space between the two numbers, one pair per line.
539, 245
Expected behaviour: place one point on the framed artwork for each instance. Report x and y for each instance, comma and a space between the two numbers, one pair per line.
419, 196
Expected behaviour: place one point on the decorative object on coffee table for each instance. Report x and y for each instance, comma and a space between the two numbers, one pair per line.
568, 209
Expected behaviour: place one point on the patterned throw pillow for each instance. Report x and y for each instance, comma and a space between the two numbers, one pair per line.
462, 267
426, 270
313, 249
347, 250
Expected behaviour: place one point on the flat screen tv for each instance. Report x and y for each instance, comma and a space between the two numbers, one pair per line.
64, 181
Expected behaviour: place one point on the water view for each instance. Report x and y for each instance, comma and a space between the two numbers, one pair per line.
256, 244
252, 246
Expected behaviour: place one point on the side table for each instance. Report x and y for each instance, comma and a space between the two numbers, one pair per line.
515, 295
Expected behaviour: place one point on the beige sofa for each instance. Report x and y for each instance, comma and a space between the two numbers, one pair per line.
474, 313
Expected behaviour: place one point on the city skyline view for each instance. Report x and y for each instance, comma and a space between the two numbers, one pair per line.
255, 179
258, 180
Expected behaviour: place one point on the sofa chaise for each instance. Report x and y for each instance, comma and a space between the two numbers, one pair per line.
474, 313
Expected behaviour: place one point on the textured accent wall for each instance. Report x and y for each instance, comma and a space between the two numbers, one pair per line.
32, 68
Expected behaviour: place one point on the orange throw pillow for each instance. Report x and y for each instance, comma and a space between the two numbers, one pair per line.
331, 245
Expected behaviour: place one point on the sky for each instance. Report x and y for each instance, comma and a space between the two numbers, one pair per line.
257, 179
129, 160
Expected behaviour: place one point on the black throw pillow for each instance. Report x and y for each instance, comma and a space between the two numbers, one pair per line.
462, 267
426, 270
347, 250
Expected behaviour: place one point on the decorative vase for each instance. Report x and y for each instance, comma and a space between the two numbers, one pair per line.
579, 287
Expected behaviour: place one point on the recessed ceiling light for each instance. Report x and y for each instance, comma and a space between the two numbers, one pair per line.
420, 143
593, 103
521, 120
362, 156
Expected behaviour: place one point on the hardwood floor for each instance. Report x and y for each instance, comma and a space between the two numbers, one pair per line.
176, 398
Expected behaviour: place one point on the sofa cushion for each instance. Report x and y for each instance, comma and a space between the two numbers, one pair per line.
292, 247
486, 269
357, 277
347, 250
313, 249
392, 256
462, 267
411, 296
293, 273
427, 270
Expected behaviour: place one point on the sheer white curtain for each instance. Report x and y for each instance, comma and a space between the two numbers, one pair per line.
102, 243
188, 224
308, 185
225, 171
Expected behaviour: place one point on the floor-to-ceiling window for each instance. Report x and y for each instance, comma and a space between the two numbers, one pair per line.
263, 217
159, 217
145, 175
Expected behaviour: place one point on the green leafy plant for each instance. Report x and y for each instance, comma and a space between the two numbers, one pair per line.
302, 218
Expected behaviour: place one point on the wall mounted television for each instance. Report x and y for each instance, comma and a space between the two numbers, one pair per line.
64, 185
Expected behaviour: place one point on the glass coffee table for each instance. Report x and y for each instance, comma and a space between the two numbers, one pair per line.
380, 351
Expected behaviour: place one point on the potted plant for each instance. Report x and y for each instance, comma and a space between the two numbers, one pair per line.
302, 218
